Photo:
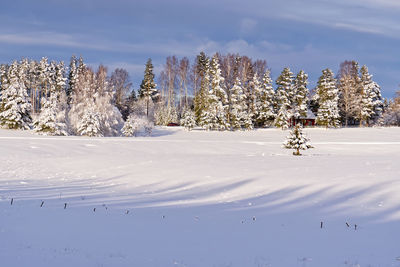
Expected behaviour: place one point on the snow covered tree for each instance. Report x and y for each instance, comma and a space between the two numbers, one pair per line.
297, 141
214, 114
14, 106
265, 113
148, 89
110, 117
201, 98
129, 128
349, 91
371, 99
299, 105
164, 115
44, 73
94, 95
327, 97
136, 124
188, 120
3, 76
392, 112
252, 96
119, 80
238, 116
284, 97
89, 125
72, 77
51, 120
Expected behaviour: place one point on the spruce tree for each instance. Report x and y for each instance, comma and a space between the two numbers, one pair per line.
51, 120
238, 116
14, 106
327, 97
72, 78
90, 123
284, 97
297, 141
265, 100
214, 116
300, 98
371, 99
201, 100
148, 89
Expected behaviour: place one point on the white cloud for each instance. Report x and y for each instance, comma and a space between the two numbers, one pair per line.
247, 25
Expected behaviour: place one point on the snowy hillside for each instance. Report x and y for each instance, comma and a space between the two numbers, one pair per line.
200, 199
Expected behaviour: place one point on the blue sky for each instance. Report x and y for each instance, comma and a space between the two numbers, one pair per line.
302, 34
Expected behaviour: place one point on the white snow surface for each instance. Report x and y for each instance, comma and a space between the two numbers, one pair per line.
201, 199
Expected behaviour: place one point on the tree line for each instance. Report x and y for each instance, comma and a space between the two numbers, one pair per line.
222, 92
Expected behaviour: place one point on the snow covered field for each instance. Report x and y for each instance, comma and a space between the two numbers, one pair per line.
200, 199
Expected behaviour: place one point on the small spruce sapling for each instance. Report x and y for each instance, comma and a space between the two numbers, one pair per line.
297, 141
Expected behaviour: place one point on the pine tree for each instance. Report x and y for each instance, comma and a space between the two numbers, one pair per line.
239, 117
89, 125
148, 89
44, 78
188, 120
72, 77
3, 77
300, 98
214, 115
297, 141
60, 81
201, 98
327, 97
253, 96
284, 97
14, 105
51, 120
371, 99
265, 101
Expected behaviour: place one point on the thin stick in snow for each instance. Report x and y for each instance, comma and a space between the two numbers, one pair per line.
94, 209
355, 227
65, 205
322, 223
12, 201
348, 225
41, 205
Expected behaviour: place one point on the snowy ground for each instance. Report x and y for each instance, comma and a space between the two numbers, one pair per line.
200, 199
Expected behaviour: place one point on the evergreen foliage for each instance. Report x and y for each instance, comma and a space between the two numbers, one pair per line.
148, 89
51, 120
327, 97
299, 105
188, 120
165, 115
284, 98
371, 99
135, 125
265, 102
297, 141
201, 100
239, 118
214, 114
89, 125
14, 106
